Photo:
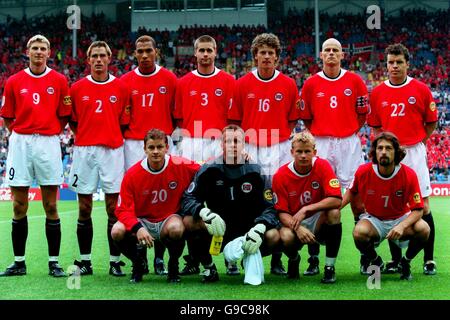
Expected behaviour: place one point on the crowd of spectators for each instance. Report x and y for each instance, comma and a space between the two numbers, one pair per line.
424, 33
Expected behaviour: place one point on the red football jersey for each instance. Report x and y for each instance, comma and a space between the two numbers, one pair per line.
333, 105
403, 110
266, 106
154, 195
292, 191
152, 99
99, 108
206, 100
36, 102
387, 198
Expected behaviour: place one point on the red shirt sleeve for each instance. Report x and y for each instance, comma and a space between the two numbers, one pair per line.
125, 210
373, 118
65, 104
362, 96
431, 112
305, 102
8, 102
178, 108
280, 194
415, 200
294, 110
331, 184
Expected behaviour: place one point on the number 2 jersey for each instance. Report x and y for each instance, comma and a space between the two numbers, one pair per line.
333, 104
99, 109
403, 110
387, 198
153, 195
36, 102
292, 190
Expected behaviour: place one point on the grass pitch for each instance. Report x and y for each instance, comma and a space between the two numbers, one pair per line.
350, 285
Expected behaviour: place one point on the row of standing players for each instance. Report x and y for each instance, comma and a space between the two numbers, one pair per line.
102, 110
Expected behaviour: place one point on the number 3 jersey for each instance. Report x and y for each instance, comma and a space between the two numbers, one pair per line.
333, 104
292, 190
403, 110
387, 198
36, 102
154, 195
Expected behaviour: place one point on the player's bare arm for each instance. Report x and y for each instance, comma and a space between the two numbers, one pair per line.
8, 123
429, 128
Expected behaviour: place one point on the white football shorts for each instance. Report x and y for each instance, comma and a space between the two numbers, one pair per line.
344, 154
92, 164
384, 226
34, 156
270, 158
134, 151
416, 159
198, 149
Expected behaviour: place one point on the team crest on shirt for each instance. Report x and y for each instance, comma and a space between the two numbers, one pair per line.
416, 197
433, 106
246, 187
162, 90
278, 96
348, 92
67, 101
268, 195
173, 185
218, 92
399, 193
315, 185
113, 99
50, 90
412, 100
334, 183
275, 198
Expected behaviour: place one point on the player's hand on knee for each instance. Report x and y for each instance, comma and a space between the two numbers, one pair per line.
144, 238
304, 235
213, 222
253, 239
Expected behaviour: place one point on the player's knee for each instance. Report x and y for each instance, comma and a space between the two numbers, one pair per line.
118, 231
333, 216
287, 236
20, 209
360, 233
175, 230
51, 209
422, 230
272, 237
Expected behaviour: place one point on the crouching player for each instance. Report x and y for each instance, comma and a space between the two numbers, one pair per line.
148, 204
307, 197
229, 197
391, 196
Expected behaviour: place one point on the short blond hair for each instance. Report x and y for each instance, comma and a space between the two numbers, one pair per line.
38, 38
305, 137
99, 44
205, 39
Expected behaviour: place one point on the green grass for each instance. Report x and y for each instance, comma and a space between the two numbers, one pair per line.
350, 284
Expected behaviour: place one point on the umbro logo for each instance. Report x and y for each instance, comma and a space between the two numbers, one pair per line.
320, 95
251, 96
85, 98
23, 91
134, 92
193, 93
384, 104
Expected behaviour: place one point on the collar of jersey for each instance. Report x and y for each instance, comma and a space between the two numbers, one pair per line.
408, 80
43, 74
157, 68
275, 75
111, 78
216, 71
324, 76
396, 170
144, 165
291, 167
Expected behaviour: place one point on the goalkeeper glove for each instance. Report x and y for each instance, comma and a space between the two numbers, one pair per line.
254, 238
213, 222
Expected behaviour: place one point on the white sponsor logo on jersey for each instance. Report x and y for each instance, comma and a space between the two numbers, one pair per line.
192, 93
50, 90
246, 187
348, 92
23, 91
162, 89
278, 96
412, 100
218, 92
219, 183
320, 95
384, 104
173, 185
134, 92
251, 96
113, 99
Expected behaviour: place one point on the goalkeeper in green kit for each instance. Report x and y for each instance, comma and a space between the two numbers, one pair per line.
229, 197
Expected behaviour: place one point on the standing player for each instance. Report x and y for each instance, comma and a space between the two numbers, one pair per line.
229, 197
149, 203
100, 108
404, 106
308, 197
266, 105
152, 97
203, 98
391, 195
334, 108
36, 106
